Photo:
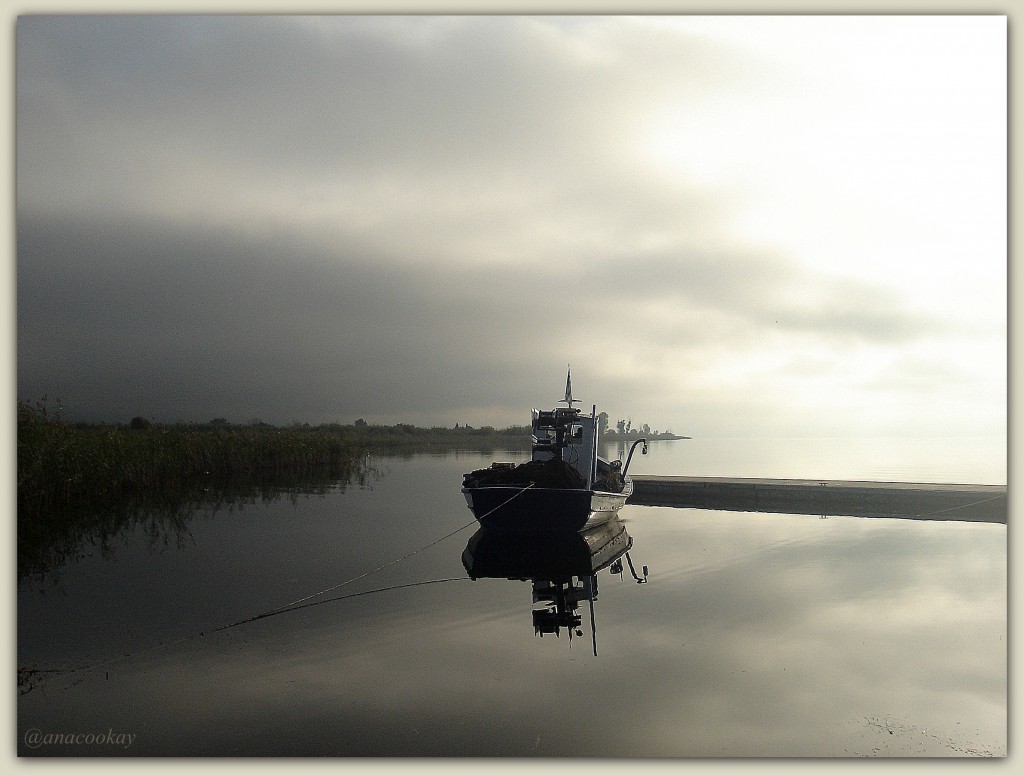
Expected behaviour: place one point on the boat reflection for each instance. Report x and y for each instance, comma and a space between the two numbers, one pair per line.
562, 568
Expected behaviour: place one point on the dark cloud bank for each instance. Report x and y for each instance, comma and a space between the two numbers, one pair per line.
408, 221
128, 318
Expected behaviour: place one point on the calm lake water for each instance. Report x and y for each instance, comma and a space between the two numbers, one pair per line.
758, 635
979, 460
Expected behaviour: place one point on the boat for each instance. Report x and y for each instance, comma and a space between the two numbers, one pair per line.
565, 486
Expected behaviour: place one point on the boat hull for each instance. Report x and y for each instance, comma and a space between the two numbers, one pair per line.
543, 510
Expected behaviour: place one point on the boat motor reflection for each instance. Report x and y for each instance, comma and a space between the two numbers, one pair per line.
562, 568
616, 568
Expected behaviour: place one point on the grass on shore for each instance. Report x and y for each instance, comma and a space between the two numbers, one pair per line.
62, 464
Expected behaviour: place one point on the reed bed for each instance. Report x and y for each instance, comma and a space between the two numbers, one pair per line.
61, 464
82, 485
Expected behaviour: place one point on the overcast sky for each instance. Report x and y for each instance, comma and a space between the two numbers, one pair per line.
728, 226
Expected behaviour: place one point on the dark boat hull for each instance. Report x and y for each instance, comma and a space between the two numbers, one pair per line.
542, 510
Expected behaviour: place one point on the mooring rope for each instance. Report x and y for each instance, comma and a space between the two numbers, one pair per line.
384, 566
349, 581
295, 608
30, 673
293, 605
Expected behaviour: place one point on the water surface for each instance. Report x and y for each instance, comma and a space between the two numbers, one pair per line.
978, 460
755, 635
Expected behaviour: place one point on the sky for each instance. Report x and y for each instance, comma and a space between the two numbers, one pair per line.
728, 226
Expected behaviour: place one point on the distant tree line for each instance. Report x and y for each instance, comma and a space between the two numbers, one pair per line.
624, 429
371, 436
358, 427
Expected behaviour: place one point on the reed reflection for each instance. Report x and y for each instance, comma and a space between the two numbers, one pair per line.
562, 568
49, 539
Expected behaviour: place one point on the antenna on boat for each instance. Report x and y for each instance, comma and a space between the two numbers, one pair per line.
568, 389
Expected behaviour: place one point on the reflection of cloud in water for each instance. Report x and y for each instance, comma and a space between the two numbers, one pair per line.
756, 635
874, 615
765, 652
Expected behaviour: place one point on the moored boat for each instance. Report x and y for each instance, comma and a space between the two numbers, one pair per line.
565, 486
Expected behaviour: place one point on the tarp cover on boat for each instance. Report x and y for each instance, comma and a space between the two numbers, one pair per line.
552, 473
543, 474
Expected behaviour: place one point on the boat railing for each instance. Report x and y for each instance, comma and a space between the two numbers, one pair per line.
630, 456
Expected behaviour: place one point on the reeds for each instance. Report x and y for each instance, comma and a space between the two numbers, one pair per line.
61, 464
84, 483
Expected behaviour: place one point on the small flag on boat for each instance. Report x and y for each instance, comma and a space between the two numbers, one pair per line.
568, 389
